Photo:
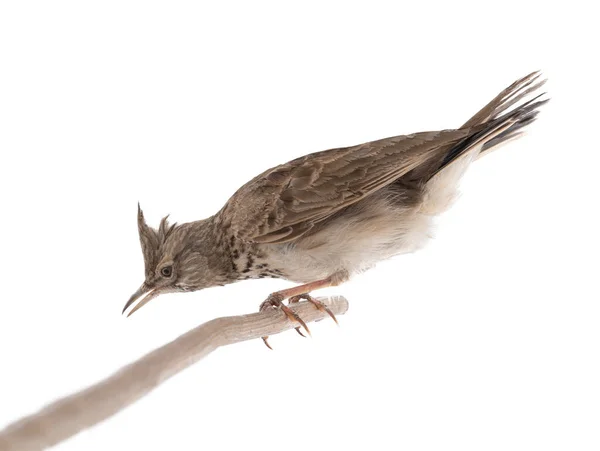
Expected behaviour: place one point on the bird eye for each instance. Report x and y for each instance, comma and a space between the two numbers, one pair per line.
167, 271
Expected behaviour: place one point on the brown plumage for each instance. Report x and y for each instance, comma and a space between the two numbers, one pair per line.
322, 217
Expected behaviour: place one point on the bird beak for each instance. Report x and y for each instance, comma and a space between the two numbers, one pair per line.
146, 294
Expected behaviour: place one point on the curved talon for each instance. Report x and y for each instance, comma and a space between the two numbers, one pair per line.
276, 302
318, 304
264, 306
266, 342
297, 329
295, 300
293, 316
326, 309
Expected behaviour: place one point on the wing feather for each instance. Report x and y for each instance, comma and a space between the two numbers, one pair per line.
286, 201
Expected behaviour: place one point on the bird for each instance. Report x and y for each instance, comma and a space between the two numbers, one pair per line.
319, 219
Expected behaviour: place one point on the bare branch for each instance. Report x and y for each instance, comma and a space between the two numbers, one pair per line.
66, 417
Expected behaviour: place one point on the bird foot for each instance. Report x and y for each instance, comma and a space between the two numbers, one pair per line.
275, 300
318, 304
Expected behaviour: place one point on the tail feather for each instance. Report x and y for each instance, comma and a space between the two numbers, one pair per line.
527, 115
493, 125
485, 134
507, 98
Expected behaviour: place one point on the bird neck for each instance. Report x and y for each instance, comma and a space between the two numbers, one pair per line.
215, 243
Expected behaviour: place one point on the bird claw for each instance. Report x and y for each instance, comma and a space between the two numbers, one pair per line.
274, 301
294, 300
297, 329
266, 342
318, 304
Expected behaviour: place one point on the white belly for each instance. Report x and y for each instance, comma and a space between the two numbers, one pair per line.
370, 231
354, 242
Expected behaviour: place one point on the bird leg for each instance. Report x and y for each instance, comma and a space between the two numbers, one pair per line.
275, 300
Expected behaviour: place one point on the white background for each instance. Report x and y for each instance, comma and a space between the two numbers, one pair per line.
488, 339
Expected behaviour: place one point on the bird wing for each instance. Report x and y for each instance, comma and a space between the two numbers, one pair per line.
286, 201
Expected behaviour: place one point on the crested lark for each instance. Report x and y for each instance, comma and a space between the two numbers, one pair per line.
318, 219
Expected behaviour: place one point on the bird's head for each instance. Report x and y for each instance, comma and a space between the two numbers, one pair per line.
177, 258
